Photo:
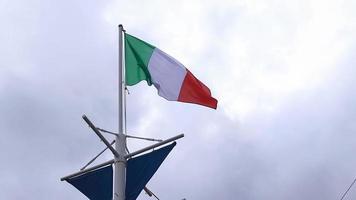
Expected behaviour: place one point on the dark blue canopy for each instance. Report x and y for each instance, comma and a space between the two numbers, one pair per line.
96, 185
140, 170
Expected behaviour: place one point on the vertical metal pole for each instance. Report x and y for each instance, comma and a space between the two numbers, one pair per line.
120, 145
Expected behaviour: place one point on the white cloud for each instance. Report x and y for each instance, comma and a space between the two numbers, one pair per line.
267, 62
258, 52
271, 54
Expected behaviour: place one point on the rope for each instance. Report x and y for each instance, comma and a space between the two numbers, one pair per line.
92, 160
125, 109
144, 138
105, 131
353, 182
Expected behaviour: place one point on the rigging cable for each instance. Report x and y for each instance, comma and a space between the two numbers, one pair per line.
353, 182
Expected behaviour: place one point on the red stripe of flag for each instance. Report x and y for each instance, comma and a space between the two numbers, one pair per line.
194, 91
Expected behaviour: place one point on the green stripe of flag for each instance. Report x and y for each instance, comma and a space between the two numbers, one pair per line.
137, 56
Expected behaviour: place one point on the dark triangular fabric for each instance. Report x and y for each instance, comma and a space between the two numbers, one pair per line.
140, 170
96, 185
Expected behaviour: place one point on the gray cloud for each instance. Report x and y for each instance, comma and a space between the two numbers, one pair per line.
59, 62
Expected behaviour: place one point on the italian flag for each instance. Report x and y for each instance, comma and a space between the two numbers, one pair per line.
173, 81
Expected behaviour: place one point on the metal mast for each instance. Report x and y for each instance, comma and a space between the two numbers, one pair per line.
120, 145
119, 152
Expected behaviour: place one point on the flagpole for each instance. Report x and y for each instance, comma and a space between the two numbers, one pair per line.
120, 145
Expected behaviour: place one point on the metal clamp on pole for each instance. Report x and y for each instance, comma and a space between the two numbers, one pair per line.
91, 125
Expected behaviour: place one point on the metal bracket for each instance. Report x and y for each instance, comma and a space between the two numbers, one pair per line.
126, 157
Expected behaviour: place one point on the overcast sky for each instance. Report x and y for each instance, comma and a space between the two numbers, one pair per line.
283, 72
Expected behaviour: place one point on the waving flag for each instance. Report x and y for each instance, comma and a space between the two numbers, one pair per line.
173, 81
